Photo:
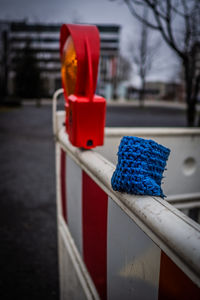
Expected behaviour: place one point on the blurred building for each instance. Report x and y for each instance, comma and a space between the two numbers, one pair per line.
43, 43
162, 90
158, 90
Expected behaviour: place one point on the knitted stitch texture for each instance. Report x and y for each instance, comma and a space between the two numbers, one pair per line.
141, 164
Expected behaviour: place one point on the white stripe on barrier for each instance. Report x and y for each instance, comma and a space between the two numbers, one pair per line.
74, 201
133, 260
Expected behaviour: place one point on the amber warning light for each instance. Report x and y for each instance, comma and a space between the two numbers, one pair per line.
85, 111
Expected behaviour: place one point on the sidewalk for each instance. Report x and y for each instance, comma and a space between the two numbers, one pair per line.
150, 103
123, 102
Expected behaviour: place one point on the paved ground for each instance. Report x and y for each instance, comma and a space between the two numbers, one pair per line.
147, 116
28, 253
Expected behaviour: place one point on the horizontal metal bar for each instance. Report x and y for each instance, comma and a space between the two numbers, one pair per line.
188, 205
183, 198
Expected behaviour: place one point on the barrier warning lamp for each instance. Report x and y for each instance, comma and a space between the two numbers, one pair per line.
85, 112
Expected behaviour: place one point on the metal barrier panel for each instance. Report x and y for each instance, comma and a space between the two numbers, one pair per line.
122, 254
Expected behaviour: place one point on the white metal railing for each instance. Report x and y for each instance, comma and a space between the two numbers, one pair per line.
164, 224
169, 229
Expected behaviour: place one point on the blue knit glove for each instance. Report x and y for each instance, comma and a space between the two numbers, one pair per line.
140, 167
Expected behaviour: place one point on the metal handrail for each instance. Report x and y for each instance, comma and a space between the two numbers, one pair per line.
54, 107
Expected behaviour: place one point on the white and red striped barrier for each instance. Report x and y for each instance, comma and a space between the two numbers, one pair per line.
118, 246
133, 247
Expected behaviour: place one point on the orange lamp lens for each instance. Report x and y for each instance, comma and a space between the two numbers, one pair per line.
69, 66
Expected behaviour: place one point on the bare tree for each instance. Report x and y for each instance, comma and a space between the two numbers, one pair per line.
121, 70
143, 54
124, 69
178, 22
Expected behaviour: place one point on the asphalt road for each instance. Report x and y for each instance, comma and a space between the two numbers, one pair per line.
28, 251
145, 117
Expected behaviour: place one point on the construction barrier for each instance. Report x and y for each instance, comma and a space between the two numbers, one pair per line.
118, 246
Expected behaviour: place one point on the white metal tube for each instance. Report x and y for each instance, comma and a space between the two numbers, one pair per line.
54, 108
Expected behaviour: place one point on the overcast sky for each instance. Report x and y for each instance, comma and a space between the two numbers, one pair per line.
87, 11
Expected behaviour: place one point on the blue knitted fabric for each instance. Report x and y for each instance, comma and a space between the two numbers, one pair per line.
141, 164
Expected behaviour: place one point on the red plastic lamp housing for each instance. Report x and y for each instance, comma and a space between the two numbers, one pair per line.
85, 112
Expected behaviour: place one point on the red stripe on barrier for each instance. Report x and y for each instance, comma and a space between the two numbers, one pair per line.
63, 183
95, 208
174, 284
